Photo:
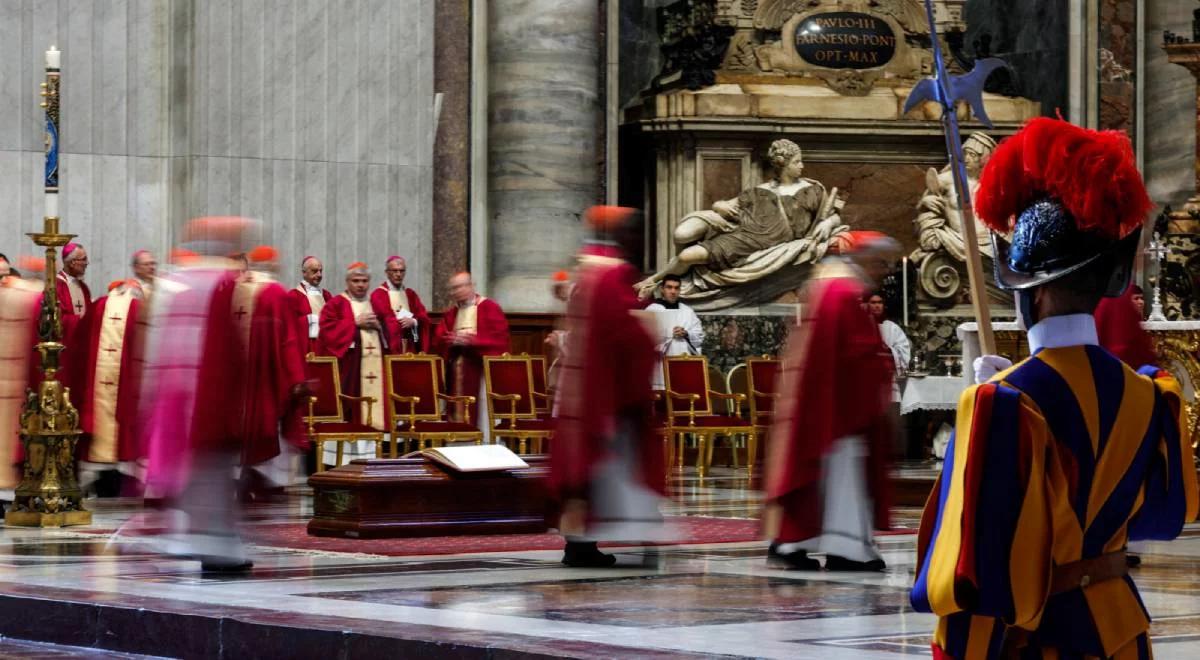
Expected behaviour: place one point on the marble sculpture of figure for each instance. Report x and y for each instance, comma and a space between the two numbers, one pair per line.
939, 224
787, 221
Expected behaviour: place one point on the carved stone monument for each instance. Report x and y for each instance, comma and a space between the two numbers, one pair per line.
758, 245
828, 75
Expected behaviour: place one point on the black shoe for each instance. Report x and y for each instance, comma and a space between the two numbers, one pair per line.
586, 555
797, 561
225, 566
1133, 561
838, 563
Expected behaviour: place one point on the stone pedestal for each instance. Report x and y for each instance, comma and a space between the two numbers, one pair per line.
543, 128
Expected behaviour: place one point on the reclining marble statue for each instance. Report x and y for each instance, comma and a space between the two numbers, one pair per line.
942, 253
767, 237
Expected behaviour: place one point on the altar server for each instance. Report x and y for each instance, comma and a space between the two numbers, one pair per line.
680, 332
1059, 461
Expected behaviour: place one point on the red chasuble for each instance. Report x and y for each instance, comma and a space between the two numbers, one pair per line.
606, 379
464, 363
274, 368
74, 302
107, 379
1119, 326
836, 382
386, 304
302, 305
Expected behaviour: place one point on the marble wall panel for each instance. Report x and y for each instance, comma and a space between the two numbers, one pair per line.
304, 114
543, 119
1170, 136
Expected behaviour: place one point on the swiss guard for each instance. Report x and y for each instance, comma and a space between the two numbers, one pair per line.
1059, 461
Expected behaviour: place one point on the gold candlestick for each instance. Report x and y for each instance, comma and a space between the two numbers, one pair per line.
49, 493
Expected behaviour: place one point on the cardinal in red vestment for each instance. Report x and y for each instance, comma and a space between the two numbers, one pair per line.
307, 300
400, 309
607, 469
827, 461
1119, 327
107, 379
473, 328
74, 302
274, 381
352, 332
20, 305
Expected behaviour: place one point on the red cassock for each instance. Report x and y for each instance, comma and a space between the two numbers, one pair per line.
400, 340
836, 382
302, 307
72, 313
273, 378
464, 363
107, 379
606, 379
1119, 326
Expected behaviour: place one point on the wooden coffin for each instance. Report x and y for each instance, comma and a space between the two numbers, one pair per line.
406, 497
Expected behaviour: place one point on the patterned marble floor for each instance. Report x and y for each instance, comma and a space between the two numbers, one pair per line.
718, 600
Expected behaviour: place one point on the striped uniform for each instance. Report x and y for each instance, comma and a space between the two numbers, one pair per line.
1064, 457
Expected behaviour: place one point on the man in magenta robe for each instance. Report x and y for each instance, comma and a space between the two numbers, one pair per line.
607, 470
827, 460
401, 311
471, 329
307, 300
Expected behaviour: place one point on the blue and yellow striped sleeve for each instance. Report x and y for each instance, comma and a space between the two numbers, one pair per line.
992, 498
1170, 496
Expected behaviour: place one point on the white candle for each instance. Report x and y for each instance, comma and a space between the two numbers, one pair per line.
904, 287
53, 58
51, 205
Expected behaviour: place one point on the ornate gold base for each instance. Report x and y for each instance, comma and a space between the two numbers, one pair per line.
41, 519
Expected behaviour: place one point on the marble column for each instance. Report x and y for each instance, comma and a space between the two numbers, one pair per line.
543, 121
452, 155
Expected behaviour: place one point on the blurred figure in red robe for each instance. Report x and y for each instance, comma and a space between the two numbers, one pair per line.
404, 316
274, 383
474, 327
189, 409
308, 299
106, 377
607, 469
20, 305
827, 460
1119, 327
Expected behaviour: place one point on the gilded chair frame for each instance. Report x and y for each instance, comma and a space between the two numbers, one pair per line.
423, 440
524, 437
542, 400
699, 406
760, 418
312, 419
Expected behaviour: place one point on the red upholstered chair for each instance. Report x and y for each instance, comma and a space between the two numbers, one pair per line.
762, 380
512, 405
541, 388
690, 408
413, 389
326, 417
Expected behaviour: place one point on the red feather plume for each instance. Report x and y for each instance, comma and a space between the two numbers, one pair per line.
1093, 174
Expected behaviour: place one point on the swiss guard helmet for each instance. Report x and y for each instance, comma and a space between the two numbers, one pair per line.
1068, 198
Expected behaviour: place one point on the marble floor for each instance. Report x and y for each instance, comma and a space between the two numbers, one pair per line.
85, 588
